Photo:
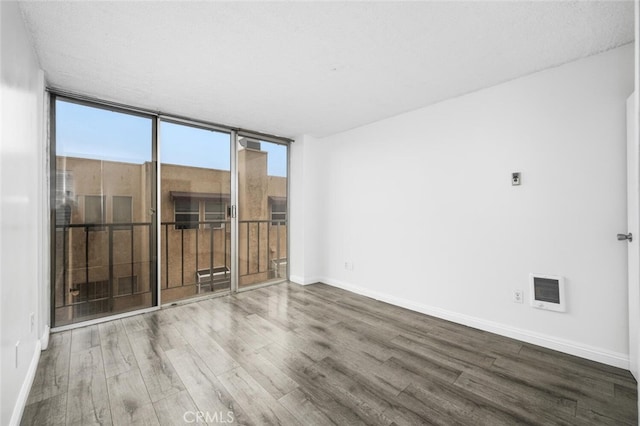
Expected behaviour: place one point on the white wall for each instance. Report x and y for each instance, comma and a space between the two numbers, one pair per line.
305, 190
296, 204
22, 216
423, 206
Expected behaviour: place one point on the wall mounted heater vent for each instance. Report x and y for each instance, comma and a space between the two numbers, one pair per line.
547, 292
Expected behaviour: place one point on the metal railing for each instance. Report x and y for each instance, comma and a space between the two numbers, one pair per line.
255, 243
103, 286
255, 252
189, 228
78, 254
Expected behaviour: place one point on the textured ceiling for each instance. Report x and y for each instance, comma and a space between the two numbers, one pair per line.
310, 67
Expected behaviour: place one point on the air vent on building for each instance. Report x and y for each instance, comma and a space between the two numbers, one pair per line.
250, 143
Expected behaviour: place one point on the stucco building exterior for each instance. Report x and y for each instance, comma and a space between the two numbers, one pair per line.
105, 253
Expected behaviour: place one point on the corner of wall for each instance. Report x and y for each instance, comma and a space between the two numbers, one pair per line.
304, 280
44, 339
304, 216
297, 210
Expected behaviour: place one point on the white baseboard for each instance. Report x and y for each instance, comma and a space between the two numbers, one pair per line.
44, 340
303, 280
21, 402
604, 356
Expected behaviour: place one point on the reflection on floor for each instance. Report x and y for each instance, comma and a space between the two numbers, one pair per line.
288, 354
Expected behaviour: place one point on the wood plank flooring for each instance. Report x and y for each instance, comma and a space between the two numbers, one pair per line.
314, 355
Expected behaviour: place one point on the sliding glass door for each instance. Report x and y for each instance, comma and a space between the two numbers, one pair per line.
262, 211
199, 211
103, 219
221, 197
195, 232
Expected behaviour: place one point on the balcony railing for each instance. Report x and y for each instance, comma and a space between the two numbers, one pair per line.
204, 253
98, 265
264, 250
198, 253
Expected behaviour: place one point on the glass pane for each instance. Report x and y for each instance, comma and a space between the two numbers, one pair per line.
196, 185
186, 221
103, 168
279, 207
187, 205
214, 216
215, 212
262, 190
122, 209
214, 207
94, 209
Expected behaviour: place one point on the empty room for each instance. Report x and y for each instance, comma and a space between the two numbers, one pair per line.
317, 213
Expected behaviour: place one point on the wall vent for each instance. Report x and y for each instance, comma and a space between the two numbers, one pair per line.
547, 292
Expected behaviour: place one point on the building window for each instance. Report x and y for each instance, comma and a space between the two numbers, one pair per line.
195, 210
187, 213
94, 209
122, 210
278, 212
215, 211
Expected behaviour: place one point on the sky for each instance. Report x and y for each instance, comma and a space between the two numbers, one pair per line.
96, 133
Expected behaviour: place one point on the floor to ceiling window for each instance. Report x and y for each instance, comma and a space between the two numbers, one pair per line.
221, 196
104, 256
262, 211
195, 234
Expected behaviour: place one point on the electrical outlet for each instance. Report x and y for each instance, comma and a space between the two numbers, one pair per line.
348, 265
17, 345
517, 296
516, 179
32, 322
